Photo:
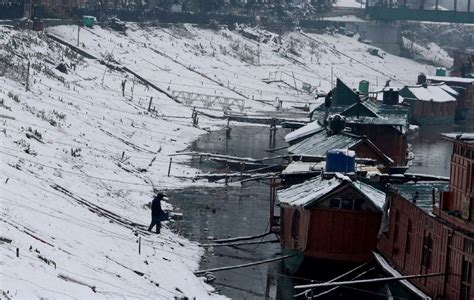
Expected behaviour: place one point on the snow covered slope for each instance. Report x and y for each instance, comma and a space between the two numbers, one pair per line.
77, 162
236, 65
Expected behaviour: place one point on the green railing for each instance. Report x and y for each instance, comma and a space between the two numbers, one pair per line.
402, 13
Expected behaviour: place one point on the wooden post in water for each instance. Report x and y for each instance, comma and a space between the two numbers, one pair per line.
272, 199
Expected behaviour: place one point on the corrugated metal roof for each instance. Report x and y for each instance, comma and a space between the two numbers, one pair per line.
382, 114
434, 93
460, 136
309, 192
421, 193
451, 79
318, 144
306, 130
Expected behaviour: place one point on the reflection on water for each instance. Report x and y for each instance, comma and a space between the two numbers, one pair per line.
234, 211
243, 210
432, 153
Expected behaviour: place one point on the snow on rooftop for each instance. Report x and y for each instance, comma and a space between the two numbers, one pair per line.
434, 93
451, 79
461, 136
309, 192
308, 129
349, 3
319, 144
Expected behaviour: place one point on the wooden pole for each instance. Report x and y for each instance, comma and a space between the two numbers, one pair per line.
133, 86
336, 287
336, 278
294, 80
139, 245
28, 77
169, 167
78, 30
17, 252
238, 243
374, 280
332, 79
149, 104
243, 265
272, 199
242, 238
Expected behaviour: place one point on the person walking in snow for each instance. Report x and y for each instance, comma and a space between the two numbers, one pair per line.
157, 213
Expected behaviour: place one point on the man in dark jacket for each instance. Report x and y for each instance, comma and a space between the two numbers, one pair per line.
157, 213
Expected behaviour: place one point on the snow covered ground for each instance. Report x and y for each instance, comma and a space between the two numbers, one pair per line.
430, 53
79, 161
237, 66
77, 165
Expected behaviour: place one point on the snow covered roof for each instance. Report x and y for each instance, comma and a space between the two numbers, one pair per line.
436, 93
421, 193
320, 143
306, 130
378, 113
300, 167
451, 79
460, 136
450, 90
310, 192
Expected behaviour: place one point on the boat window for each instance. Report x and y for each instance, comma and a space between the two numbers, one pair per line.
335, 203
466, 279
359, 204
346, 204
427, 251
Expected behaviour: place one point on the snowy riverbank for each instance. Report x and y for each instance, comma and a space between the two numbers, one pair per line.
79, 159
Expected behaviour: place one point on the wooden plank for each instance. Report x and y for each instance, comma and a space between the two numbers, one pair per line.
243, 265
363, 281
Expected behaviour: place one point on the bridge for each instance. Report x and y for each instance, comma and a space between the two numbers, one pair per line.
392, 12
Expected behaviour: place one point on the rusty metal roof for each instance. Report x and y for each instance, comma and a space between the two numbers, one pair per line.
421, 193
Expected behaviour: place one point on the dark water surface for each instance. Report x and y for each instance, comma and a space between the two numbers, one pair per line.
432, 153
244, 210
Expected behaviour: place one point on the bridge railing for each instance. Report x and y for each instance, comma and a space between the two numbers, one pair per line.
404, 13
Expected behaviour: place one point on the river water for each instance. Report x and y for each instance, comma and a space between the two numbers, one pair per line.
232, 211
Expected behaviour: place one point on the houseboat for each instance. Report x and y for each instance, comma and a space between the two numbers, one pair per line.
385, 123
430, 228
315, 147
465, 87
430, 104
330, 218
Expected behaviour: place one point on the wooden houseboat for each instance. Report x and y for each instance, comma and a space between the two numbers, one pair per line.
430, 228
430, 104
315, 147
329, 218
465, 87
385, 123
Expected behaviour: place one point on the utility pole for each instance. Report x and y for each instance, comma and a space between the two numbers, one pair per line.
78, 29
332, 80
258, 49
28, 77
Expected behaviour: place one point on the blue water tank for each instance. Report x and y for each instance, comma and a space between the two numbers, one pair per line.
340, 160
